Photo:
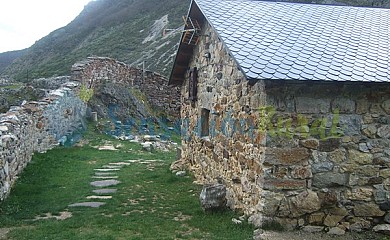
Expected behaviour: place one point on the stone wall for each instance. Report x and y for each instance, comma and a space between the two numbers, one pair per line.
97, 70
36, 127
299, 153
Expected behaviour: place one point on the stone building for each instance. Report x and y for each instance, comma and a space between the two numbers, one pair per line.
288, 105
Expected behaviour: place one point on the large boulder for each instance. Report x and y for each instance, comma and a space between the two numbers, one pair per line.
213, 197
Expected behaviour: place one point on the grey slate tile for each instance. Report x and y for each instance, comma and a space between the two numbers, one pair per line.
304, 41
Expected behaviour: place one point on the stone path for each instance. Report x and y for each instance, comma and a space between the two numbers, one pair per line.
105, 177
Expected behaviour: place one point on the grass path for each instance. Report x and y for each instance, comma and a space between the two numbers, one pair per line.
150, 201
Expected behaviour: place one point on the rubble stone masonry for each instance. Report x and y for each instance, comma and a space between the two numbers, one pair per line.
97, 70
299, 153
36, 127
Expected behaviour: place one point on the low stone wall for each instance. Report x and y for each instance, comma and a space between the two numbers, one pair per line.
95, 71
36, 127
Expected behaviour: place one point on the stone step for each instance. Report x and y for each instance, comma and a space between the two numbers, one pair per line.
87, 204
112, 166
99, 197
105, 177
105, 173
120, 164
105, 190
106, 169
105, 183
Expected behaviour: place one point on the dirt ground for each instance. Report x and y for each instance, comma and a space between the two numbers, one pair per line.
300, 235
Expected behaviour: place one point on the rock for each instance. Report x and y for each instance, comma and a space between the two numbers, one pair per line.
99, 197
359, 157
329, 145
385, 206
305, 202
330, 179
313, 229
310, 143
316, 218
387, 218
151, 138
105, 183
88, 204
336, 231
332, 220
386, 106
213, 197
236, 221
181, 173
147, 146
384, 132
359, 224
322, 167
363, 147
359, 194
368, 210
104, 191
382, 228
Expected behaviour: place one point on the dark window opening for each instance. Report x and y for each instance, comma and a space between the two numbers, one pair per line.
205, 122
193, 84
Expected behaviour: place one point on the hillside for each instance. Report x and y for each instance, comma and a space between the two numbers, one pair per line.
127, 30
8, 57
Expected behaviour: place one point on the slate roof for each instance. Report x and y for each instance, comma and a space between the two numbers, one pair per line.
272, 40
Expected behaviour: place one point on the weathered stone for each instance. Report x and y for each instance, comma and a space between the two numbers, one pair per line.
363, 147
323, 180
301, 172
343, 105
104, 191
329, 144
382, 228
316, 218
181, 173
88, 204
313, 229
286, 184
305, 202
359, 224
359, 157
322, 167
213, 197
387, 217
336, 231
286, 156
310, 143
384, 132
370, 131
105, 183
332, 220
272, 200
367, 210
337, 156
312, 105
386, 106
360, 194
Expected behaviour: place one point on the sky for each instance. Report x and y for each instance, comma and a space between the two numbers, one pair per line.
23, 22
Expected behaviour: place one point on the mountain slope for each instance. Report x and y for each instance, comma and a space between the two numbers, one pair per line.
109, 28
7, 58
128, 30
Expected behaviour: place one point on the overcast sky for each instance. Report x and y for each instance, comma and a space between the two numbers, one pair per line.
22, 22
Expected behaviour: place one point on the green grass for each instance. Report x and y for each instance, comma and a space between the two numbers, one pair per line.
144, 207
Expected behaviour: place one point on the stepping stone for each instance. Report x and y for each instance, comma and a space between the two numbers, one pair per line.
99, 197
133, 161
88, 204
105, 190
105, 183
113, 166
104, 173
120, 163
105, 177
106, 169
